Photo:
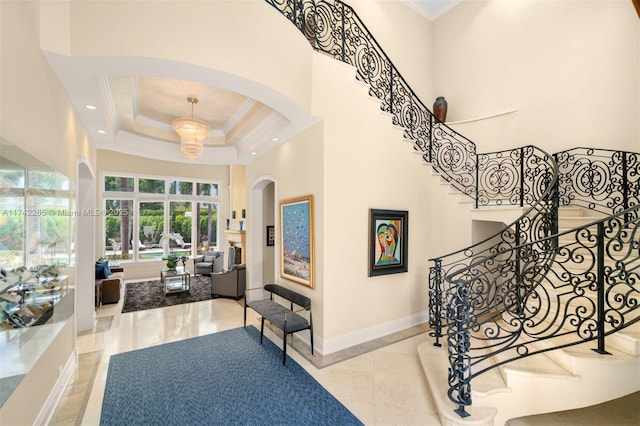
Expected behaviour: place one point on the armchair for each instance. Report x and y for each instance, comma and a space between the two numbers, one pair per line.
231, 283
209, 263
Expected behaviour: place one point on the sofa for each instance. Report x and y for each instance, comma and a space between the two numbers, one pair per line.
209, 263
109, 283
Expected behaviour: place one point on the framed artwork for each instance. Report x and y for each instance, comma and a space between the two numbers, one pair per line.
388, 241
271, 235
296, 238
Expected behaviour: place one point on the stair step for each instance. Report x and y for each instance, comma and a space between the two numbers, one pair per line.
435, 363
571, 211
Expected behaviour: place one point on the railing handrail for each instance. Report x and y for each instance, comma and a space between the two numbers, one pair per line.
541, 241
529, 209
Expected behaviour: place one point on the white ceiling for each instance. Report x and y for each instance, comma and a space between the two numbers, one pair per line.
432, 9
136, 99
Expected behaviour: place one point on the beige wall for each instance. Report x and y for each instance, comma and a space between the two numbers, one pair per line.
36, 116
353, 161
245, 38
35, 113
238, 193
406, 38
297, 168
368, 164
570, 68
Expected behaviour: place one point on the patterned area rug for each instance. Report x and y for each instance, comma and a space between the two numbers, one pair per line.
142, 295
225, 378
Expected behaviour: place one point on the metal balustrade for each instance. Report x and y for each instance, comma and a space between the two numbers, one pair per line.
528, 289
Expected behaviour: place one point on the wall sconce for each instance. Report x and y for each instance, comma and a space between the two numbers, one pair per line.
233, 214
244, 213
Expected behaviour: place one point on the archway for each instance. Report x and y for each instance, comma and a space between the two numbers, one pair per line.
85, 246
262, 204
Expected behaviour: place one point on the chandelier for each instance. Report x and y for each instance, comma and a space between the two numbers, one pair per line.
192, 132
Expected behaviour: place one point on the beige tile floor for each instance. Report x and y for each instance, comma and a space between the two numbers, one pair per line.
382, 383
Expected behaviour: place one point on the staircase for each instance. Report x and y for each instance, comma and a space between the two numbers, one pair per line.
562, 376
521, 310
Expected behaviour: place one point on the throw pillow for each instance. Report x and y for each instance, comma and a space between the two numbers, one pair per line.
209, 259
101, 271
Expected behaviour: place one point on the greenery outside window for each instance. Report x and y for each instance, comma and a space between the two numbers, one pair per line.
163, 205
36, 218
151, 186
177, 187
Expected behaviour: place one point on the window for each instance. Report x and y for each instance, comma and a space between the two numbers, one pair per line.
36, 218
121, 184
118, 223
182, 188
152, 186
159, 205
150, 229
206, 222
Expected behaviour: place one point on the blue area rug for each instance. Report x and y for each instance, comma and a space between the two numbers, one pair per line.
224, 378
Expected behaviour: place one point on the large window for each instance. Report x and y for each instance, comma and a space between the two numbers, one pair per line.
140, 210
36, 218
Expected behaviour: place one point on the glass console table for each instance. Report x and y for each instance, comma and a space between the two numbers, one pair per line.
175, 280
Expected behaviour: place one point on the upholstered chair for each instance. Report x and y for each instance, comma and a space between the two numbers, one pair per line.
209, 263
235, 257
231, 283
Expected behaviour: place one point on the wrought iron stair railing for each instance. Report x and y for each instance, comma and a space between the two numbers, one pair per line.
497, 285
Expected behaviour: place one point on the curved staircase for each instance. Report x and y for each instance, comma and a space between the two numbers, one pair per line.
543, 315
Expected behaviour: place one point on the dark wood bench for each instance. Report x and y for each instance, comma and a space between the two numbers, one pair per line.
285, 318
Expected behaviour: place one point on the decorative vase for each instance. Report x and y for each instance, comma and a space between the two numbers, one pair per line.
241, 224
440, 109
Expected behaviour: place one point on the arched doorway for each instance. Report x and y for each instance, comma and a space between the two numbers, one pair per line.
263, 258
85, 246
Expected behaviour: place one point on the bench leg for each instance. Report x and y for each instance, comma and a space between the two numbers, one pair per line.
284, 348
311, 333
261, 329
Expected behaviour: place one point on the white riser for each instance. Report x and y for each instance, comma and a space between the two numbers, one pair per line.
532, 385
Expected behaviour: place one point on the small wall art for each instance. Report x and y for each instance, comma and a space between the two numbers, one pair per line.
271, 235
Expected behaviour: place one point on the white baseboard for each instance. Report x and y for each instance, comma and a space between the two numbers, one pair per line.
364, 335
65, 375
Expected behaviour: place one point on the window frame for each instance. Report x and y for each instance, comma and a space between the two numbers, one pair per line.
167, 198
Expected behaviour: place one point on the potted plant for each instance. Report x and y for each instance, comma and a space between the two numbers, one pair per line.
172, 260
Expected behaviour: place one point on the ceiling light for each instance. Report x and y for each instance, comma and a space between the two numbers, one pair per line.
192, 132
102, 132
90, 107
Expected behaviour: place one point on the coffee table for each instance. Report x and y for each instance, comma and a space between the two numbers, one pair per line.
175, 280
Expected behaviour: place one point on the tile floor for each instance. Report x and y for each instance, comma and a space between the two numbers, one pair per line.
382, 382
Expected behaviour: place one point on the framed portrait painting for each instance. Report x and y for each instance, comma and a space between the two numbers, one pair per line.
388, 241
296, 238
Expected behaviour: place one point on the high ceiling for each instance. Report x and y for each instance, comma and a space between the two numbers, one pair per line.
432, 9
128, 104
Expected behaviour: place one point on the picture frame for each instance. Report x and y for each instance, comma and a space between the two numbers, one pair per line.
271, 235
388, 241
296, 240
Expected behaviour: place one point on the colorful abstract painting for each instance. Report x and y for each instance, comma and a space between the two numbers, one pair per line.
388, 237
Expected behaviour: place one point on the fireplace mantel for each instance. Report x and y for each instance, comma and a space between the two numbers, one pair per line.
237, 237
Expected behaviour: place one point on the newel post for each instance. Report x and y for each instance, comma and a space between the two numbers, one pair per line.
458, 342
435, 300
